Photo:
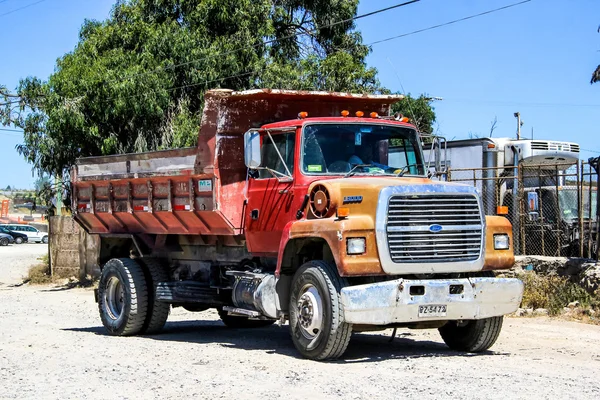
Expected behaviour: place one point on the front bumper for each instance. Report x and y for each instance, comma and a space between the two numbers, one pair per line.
392, 302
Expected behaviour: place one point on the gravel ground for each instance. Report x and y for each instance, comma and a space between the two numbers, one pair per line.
52, 345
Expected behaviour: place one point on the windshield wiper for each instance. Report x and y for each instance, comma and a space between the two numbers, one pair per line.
353, 170
405, 169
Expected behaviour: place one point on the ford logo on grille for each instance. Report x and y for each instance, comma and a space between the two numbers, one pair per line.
435, 228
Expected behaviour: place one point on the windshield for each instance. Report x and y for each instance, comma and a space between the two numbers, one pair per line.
336, 149
568, 204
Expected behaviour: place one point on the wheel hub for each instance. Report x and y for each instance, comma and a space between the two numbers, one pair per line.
114, 298
310, 312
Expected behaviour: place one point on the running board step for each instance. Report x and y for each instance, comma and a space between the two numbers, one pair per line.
190, 292
242, 311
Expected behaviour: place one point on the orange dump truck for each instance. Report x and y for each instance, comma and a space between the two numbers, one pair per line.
308, 207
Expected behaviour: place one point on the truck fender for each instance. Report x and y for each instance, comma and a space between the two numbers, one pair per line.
286, 246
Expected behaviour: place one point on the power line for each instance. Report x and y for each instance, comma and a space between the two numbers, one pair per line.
21, 8
267, 42
298, 34
591, 151
511, 103
450, 22
367, 44
11, 130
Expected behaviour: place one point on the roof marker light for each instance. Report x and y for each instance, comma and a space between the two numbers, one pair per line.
302, 114
360, 114
374, 115
345, 113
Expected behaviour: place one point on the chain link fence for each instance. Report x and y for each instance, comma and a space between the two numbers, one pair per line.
552, 207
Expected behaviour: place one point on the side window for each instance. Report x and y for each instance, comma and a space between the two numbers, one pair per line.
31, 229
270, 159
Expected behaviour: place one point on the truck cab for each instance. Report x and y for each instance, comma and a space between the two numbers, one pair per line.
316, 217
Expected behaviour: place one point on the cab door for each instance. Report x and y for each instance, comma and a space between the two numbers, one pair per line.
271, 194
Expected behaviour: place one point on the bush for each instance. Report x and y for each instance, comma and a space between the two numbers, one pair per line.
553, 293
40, 274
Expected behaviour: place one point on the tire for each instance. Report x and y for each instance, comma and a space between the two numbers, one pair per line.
158, 312
472, 336
45, 240
18, 240
4, 242
123, 297
325, 335
235, 322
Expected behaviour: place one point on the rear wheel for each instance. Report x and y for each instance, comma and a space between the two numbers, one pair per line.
317, 324
237, 322
158, 312
18, 240
472, 336
4, 242
123, 297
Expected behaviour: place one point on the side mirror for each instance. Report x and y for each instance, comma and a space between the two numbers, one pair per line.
437, 147
252, 156
439, 150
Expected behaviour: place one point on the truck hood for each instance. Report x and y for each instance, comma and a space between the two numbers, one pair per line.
361, 194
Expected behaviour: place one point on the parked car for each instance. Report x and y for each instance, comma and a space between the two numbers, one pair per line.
18, 236
33, 234
6, 239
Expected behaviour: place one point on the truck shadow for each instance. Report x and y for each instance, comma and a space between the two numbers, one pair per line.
363, 348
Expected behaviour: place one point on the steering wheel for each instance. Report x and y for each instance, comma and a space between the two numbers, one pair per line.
339, 166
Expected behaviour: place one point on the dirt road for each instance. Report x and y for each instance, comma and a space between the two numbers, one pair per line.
52, 345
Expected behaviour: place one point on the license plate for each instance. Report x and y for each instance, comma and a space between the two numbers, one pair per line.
433, 310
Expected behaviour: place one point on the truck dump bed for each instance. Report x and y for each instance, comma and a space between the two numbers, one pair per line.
195, 191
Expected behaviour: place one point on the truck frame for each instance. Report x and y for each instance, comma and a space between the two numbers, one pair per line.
269, 219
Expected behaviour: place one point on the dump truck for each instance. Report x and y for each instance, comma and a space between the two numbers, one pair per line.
291, 209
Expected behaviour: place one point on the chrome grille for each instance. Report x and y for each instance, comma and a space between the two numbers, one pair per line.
411, 239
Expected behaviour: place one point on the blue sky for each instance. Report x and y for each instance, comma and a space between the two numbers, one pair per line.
536, 58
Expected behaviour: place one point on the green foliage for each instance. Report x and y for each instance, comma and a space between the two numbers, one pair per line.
41, 183
554, 293
419, 110
135, 81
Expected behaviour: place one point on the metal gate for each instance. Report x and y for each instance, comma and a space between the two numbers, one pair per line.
552, 208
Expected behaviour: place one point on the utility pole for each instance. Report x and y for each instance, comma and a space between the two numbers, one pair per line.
519, 124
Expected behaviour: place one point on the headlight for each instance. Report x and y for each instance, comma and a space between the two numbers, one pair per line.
501, 242
355, 246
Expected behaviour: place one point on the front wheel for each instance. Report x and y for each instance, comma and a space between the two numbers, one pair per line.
19, 240
317, 324
123, 297
45, 240
472, 336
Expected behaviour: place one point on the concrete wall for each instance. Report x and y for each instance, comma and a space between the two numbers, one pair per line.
72, 251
